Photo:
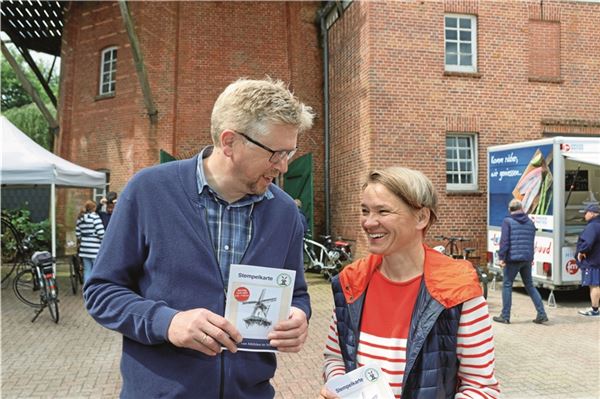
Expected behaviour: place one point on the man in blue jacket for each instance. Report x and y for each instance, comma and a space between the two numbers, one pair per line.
517, 240
588, 256
161, 276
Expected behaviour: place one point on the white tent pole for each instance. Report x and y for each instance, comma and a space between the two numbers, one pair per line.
53, 217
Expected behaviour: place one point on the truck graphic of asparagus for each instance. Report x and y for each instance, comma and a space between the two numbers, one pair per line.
534, 186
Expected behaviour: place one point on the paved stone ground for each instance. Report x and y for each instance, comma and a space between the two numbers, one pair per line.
77, 358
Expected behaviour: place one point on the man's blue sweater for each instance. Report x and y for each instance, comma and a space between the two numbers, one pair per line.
589, 243
158, 259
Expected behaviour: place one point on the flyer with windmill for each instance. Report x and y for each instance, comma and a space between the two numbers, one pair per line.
257, 299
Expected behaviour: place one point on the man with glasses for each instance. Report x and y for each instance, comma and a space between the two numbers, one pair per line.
161, 278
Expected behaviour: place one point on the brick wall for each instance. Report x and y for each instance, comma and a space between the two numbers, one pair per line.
192, 50
351, 118
392, 103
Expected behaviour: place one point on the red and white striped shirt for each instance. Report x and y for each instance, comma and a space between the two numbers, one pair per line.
384, 333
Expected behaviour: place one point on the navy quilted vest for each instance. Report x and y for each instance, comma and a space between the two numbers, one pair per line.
522, 237
431, 362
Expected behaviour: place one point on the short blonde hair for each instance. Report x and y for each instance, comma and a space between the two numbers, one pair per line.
248, 106
410, 186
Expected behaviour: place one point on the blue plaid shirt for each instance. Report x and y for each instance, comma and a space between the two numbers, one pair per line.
230, 225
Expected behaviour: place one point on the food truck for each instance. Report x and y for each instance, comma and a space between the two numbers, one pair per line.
555, 179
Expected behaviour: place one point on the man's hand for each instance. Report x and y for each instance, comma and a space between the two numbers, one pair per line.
204, 331
327, 394
289, 335
581, 257
502, 264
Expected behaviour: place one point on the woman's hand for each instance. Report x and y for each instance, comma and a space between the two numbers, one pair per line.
327, 394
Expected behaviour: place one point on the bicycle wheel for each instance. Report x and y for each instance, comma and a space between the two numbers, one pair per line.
74, 274
51, 291
10, 240
306, 260
484, 287
27, 289
483, 280
312, 261
79, 270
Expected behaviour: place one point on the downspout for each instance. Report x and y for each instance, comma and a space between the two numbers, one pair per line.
323, 12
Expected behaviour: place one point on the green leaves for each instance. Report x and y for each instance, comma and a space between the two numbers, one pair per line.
18, 107
30, 120
12, 93
21, 221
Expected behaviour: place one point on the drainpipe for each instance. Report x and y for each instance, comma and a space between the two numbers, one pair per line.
322, 14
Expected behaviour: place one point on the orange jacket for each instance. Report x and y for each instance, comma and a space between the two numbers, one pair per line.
449, 281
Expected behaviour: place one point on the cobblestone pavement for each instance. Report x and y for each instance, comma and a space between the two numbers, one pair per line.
77, 358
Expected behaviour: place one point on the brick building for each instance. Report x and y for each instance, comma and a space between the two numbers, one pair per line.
192, 51
425, 84
400, 94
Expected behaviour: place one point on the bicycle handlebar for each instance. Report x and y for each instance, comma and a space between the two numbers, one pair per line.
452, 239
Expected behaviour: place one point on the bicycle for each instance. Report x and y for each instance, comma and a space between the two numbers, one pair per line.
452, 250
318, 258
15, 249
36, 285
75, 273
340, 245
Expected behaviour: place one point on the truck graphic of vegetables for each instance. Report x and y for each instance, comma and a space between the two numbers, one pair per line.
534, 187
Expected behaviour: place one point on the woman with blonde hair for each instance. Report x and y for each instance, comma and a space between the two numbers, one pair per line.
89, 231
416, 313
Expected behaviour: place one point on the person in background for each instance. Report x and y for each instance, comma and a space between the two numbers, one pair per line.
162, 273
302, 216
106, 207
588, 257
89, 232
418, 314
517, 239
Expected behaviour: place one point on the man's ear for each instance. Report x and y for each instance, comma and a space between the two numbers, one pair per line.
226, 139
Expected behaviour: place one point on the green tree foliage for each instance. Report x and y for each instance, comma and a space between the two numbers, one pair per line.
17, 105
30, 120
39, 234
12, 93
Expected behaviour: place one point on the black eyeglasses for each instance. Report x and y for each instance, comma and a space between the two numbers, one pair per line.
276, 156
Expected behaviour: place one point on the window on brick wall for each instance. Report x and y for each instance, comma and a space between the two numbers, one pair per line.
100, 193
460, 37
108, 71
544, 50
461, 162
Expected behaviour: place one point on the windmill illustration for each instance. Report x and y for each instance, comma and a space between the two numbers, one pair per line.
259, 314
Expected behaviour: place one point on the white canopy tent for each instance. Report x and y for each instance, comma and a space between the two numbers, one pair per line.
24, 162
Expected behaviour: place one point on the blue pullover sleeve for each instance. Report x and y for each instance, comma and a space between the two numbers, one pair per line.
111, 293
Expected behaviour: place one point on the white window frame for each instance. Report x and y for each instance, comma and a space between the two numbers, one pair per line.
100, 193
108, 71
458, 42
462, 186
